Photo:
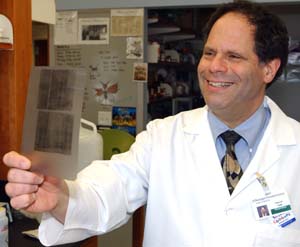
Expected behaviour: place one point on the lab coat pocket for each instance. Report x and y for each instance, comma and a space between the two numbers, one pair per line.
272, 236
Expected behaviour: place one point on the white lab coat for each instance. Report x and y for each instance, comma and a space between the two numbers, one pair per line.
174, 167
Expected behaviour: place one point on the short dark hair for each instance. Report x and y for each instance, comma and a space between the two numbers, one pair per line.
271, 36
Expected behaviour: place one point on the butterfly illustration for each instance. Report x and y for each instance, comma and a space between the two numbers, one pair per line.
106, 92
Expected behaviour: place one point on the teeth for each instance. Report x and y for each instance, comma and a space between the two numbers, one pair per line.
219, 84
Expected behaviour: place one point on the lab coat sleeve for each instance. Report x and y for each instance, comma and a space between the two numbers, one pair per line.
103, 197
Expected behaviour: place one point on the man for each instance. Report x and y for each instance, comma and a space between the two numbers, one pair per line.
199, 191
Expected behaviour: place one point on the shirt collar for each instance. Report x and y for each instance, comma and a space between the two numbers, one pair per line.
249, 130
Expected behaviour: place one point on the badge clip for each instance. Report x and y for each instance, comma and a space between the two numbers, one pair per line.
261, 179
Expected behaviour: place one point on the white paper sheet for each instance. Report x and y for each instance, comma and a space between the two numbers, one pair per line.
65, 29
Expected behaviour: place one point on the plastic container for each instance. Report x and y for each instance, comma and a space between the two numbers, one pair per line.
3, 228
90, 144
153, 52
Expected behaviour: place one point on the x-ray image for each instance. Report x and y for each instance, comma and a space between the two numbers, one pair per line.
54, 132
56, 92
52, 119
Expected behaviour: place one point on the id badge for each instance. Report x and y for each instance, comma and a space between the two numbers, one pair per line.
274, 207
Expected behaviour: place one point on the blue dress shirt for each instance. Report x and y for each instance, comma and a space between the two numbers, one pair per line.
251, 130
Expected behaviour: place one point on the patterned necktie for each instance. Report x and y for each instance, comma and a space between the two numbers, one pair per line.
231, 167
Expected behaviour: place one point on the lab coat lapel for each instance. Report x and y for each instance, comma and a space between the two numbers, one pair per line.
278, 133
203, 151
266, 156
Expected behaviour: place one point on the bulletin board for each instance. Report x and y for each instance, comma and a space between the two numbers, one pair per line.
109, 60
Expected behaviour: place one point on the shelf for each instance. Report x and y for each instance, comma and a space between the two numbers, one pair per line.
176, 37
159, 100
6, 46
178, 34
159, 29
292, 65
179, 66
175, 99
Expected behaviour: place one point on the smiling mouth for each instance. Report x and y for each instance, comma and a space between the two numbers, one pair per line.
220, 84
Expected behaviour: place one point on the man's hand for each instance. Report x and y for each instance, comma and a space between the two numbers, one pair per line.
34, 192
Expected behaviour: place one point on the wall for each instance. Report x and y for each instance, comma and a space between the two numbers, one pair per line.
106, 63
91, 4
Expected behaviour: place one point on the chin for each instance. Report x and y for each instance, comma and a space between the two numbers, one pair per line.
215, 106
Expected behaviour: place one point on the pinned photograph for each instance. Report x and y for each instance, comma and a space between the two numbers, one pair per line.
140, 72
134, 48
93, 31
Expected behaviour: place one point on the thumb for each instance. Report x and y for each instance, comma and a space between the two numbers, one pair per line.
15, 160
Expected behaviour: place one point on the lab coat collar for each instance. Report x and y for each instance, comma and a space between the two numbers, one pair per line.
279, 132
280, 124
196, 121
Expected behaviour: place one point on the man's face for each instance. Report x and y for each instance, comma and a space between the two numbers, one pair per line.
232, 80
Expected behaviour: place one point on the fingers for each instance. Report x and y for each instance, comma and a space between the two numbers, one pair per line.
24, 185
13, 159
22, 196
13, 189
23, 201
21, 187
24, 177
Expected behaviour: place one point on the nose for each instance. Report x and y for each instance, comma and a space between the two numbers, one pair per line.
218, 64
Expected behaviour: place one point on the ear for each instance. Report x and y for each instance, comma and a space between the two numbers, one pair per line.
270, 70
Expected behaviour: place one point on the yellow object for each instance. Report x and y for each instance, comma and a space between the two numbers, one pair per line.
115, 141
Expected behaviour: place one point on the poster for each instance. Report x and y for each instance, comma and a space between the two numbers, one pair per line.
124, 118
127, 22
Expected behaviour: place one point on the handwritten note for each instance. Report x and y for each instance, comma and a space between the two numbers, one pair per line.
68, 56
111, 63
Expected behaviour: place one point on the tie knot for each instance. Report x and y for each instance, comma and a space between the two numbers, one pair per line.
230, 137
